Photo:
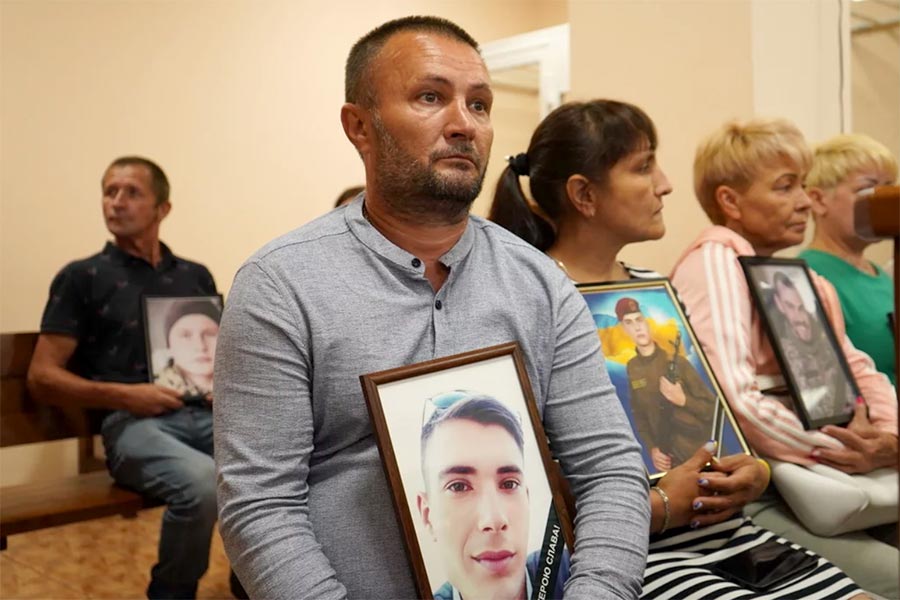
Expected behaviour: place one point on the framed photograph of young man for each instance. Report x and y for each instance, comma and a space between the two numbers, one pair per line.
814, 366
660, 373
472, 478
181, 333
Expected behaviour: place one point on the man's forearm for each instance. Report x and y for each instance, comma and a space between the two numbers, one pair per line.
59, 386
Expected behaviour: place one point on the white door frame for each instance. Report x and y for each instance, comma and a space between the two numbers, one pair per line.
548, 48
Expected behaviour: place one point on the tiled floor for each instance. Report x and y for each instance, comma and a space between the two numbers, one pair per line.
104, 558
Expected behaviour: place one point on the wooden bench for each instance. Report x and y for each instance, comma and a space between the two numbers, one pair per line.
90, 494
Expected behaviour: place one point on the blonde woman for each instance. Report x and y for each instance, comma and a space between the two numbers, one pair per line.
843, 167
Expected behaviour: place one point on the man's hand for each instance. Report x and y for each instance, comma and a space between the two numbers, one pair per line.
151, 400
865, 447
733, 482
681, 486
661, 460
673, 392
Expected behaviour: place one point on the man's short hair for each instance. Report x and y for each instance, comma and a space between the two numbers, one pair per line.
478, 408
626, 306
736, 152
158, 180
357, 74
836, 158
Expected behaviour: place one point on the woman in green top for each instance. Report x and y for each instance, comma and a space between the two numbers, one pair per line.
842, 167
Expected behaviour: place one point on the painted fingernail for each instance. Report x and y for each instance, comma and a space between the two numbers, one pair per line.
703, 482
697, 505
860, 400
695, 524
710, 446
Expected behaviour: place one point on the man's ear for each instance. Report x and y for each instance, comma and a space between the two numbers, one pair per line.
424, 511
579, 192
356, 127
162, 210
818, 197
728, 200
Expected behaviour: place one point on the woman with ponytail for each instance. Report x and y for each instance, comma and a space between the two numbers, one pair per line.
596, 187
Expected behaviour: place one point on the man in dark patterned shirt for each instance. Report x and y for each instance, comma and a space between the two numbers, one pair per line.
91, 353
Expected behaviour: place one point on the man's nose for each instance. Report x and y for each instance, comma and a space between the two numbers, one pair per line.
117, 199
491, 513
460, 122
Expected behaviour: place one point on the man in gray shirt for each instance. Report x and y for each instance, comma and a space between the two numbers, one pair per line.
399, 276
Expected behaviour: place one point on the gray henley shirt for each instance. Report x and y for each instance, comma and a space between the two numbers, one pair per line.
305, 509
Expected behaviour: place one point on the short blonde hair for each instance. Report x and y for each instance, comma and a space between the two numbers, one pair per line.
835, 159
734, 154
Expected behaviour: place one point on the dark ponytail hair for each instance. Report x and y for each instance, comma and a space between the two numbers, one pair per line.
586, 138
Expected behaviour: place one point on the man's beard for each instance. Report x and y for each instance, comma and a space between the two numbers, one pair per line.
417, 190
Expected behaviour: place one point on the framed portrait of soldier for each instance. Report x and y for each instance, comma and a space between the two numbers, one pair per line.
662, 377
816, 373
473, 483
181, 334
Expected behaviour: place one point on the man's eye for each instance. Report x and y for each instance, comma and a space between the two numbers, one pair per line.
429, 97
480, 106
510, 484
458, 486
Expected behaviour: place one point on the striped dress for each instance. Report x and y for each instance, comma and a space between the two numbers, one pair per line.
680, 562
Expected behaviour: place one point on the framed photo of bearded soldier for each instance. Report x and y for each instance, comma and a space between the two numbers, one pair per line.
660, 373
816, 373
473, 483
181, 334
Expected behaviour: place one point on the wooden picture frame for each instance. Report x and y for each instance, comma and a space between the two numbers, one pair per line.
180, 335
641, 325
461, 411
816, 372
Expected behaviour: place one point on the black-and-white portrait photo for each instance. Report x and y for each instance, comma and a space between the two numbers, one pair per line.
804, 343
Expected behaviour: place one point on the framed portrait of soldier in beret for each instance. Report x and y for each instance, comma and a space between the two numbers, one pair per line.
662, 377
816, 374
181, 334
474, 487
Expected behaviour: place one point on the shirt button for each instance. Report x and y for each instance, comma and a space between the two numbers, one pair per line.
438, 305
416, 263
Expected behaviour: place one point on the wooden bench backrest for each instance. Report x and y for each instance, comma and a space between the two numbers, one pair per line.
24, 421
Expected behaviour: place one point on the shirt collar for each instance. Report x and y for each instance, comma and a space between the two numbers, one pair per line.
119, 256
376, 242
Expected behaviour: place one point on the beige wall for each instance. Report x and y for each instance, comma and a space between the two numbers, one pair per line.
689, 65
692, 64
237, 100
875, 76
875, 73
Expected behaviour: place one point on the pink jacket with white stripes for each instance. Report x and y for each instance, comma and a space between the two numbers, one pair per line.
711, 283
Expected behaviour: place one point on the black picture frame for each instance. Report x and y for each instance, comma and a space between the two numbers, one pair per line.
187, 364
405, 402
817, 376
676, 432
